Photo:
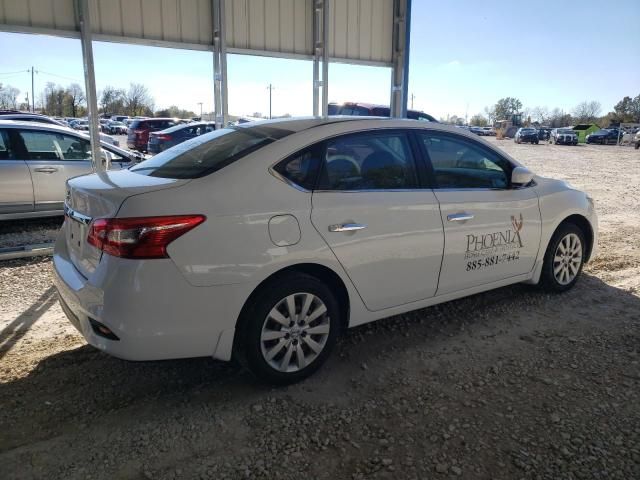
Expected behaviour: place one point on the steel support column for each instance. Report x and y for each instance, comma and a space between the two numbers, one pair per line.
320, 54
84, 20
219, 64
400, 57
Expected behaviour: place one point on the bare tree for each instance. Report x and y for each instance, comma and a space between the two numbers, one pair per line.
541, 115
587, 112
8, 96
490, 113
138, 100
75, 98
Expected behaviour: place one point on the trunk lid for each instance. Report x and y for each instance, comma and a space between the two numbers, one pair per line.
100, 195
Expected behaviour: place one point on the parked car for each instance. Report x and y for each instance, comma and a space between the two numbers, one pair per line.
636, 140
116, 128
139, 129
265, 240
489, 131
563, 136
477, 130
104, 125
544, 133
28, 117
526, 135
604, 136
81, 125
119, 118
160, 141
37, 158
333, 108
371, 110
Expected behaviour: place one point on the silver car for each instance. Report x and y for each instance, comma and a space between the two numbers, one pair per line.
36, 160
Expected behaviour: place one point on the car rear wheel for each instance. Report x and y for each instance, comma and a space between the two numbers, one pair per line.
290, 328
564, 258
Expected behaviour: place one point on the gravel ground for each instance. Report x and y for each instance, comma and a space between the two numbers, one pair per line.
510, 384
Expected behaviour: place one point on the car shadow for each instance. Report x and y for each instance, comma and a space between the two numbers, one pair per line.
18, 328
71, 388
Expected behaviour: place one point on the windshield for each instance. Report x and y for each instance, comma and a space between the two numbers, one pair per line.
566, 130
210, 152
528, 130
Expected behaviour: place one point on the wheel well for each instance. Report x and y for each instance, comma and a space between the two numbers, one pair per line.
322, 273
583, 224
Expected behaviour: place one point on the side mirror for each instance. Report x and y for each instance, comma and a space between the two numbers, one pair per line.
521, 176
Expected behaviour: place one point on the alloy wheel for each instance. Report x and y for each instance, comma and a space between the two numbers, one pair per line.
567, 259
295, 332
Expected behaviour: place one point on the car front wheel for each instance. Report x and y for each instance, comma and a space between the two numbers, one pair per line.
563, 259
289, 329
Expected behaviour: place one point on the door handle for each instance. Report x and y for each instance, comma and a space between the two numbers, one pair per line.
347, 227
459, 217
46, 169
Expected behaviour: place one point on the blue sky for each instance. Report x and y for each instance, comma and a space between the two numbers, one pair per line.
465, 55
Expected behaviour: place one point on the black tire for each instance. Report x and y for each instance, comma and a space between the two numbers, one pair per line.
248, 345
637, 145
548, 280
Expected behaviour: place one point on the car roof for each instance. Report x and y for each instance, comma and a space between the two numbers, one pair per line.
299, 124
50, 127
355, 123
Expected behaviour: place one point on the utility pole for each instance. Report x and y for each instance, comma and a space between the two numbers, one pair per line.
412, 97
270, 88
200, 103
33, 101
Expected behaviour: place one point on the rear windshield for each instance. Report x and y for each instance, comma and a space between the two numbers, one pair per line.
209, 153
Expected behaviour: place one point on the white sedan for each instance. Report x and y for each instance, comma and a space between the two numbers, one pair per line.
263, 241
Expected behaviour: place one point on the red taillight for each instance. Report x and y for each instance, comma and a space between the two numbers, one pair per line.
142, 237
163, 137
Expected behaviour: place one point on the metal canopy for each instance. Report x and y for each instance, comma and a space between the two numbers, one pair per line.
367, 32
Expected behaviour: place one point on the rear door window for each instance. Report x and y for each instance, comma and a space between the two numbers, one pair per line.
209, 153
366, 161
301, 169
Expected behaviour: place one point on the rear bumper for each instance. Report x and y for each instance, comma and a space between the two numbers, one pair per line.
154, 148
149, 306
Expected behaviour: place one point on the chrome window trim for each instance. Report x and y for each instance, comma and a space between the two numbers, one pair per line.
77, 216
284, 179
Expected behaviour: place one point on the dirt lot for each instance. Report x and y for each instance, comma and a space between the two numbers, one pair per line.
509, 384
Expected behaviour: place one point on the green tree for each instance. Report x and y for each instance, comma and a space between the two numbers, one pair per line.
175, 112
505, 107
112, 100
479, 120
